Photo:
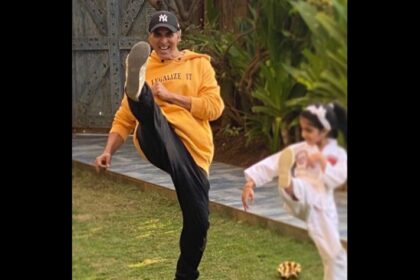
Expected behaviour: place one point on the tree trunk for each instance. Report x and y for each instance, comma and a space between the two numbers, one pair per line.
229, 12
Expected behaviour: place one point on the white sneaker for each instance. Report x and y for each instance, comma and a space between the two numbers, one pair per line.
135, 71
286, 161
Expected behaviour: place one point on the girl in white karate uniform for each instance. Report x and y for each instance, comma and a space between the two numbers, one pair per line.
308, 173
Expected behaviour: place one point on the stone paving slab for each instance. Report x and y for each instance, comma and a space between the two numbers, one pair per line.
226, 181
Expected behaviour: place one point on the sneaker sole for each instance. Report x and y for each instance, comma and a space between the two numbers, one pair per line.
286, 161
135, 60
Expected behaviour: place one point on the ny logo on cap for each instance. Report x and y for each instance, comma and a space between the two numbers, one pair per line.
163, 17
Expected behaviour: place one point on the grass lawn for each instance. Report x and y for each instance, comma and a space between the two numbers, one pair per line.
120, 232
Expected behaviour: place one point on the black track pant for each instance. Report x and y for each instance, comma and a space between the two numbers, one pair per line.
165, 150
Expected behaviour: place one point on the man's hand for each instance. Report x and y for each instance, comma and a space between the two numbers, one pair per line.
248, 193
159, 90
103, 161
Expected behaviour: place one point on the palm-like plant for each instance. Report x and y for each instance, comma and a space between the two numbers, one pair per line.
274, 116
283, 36
324, 71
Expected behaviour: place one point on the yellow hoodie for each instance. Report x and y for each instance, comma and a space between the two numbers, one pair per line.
190, 75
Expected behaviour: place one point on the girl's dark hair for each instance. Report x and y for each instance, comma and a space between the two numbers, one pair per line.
336, 115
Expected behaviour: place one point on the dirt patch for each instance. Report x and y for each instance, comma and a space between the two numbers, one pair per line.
232, 149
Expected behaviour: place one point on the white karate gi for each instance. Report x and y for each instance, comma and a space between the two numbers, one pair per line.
314, 190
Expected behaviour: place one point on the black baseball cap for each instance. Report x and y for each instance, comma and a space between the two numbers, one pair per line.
164, 19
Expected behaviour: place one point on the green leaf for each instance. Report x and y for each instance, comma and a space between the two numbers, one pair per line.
263, 109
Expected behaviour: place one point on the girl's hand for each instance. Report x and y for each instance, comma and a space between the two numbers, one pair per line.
316, 157
247, 194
